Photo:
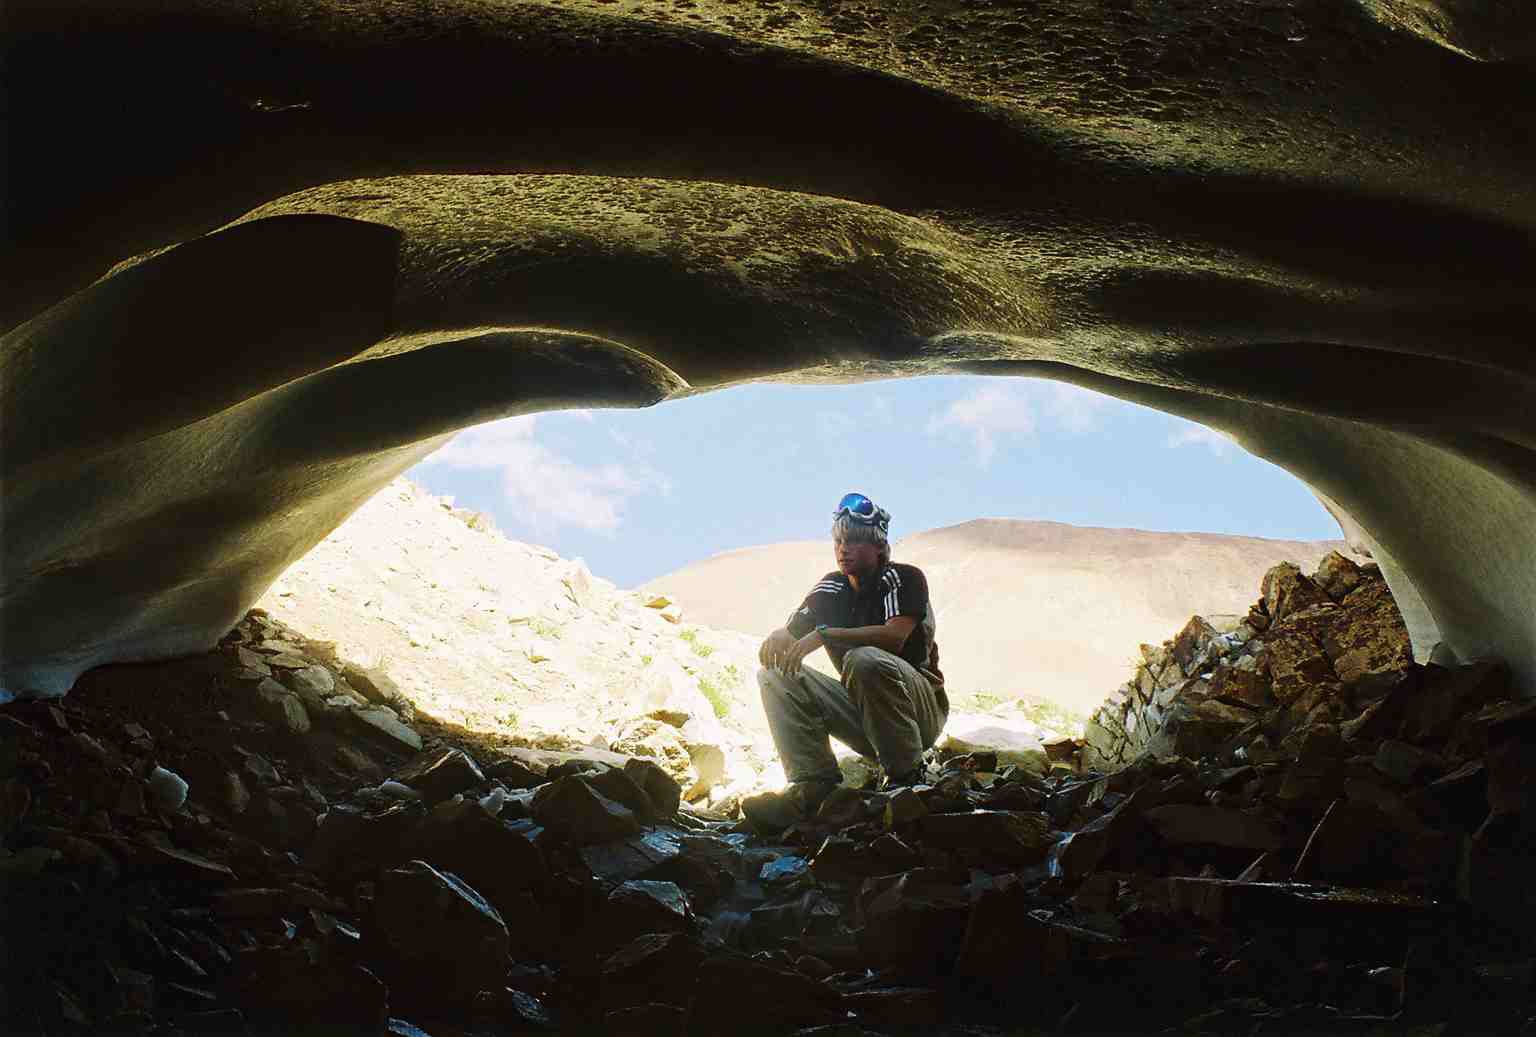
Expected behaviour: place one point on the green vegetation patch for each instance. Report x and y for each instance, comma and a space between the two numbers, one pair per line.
977, 702
700, 649
716, 696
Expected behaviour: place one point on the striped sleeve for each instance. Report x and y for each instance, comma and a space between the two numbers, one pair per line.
906, 593
816, 608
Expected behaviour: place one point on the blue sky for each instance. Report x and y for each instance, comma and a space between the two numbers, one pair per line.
641, 493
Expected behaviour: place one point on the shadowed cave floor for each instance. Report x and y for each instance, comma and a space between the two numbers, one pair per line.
1367, 876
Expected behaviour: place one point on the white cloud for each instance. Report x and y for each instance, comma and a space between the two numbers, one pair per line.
1076, 410
1199, 435
987, 415
1019, 407
544, 489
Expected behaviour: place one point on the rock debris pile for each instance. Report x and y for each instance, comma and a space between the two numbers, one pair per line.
1337, 841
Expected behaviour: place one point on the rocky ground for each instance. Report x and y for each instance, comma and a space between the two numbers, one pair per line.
1338, 842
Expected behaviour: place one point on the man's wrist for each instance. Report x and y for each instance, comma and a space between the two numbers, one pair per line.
822, 628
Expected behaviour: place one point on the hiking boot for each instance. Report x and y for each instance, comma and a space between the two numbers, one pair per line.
770, 812
808, 795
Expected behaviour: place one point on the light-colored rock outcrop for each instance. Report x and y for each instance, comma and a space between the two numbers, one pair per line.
1308, 226
1312, 649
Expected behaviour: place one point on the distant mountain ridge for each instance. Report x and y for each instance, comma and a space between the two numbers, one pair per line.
1032, 607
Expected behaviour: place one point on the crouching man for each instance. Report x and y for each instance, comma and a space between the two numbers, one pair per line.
873, 618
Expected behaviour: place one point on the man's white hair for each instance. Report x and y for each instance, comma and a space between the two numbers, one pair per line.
848, 530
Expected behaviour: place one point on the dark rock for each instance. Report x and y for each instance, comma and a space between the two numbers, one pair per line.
916, 918
1014, 796
216, 1021
15, 801
1372, 792
1002, 835
499, 862
186, 865
746, 996
664, 793
1003, 939
440, 775
1226, 902
1198, 729
130, 800
803, 917
515, 774
897, 1006
783, 870
654, 967
1501, 856
1493, 724
1189, 825
258, 767
351, 842
840, 860
579, 813
631, 858
903, 808
291, 985
575, 766
1449, 693
705, 868
444, 940
1461, 797
641, 906
1406, 763
1109, 837
1354, 843
1384, 717
513, 1011
1510, 767
646, 1020
259, 902
1345, 845
621, 787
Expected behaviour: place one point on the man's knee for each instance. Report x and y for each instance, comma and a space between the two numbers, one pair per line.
868, 666
772, 685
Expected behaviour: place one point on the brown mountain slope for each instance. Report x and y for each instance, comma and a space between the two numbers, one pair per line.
1038, 608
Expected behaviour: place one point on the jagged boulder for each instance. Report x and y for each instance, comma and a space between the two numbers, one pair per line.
443, 939
1286, 591
442, 774
575, 809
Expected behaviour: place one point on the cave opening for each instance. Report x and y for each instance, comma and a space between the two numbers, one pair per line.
266, 257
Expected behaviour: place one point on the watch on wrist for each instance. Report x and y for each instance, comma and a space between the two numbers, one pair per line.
821, 628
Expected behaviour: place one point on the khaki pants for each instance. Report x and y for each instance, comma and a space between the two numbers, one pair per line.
883, 708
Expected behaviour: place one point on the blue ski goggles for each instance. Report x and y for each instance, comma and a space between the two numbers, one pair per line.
863, 510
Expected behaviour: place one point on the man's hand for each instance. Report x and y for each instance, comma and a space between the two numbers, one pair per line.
771, 654
799, 650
